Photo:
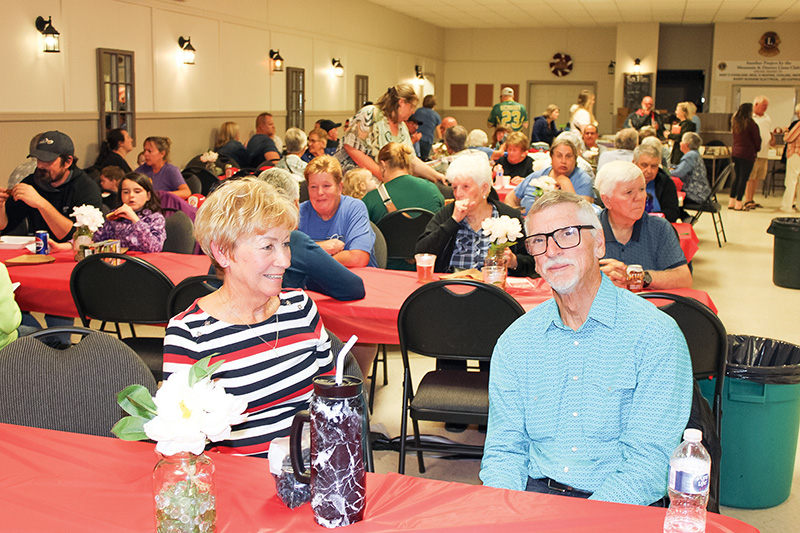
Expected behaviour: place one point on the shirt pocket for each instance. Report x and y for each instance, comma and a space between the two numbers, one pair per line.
606, 405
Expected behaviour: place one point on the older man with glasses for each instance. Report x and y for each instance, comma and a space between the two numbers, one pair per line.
589, 392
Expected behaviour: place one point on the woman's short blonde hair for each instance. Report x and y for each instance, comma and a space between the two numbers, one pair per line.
324, 164
519, 139
396, 155
355, 182
241, 208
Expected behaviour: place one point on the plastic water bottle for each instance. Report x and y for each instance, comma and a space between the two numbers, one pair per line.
689, 475
498, 175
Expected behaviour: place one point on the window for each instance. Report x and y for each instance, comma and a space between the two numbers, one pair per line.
295, 97
362, 91
115, 91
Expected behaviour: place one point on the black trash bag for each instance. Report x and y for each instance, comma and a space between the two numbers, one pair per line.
702, 418
785, 227
761, 360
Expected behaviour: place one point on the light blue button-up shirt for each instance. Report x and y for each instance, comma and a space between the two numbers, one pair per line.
600, 409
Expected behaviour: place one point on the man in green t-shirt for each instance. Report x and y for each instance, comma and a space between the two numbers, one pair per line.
508, 112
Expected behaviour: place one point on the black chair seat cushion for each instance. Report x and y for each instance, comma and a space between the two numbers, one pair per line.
150, 350
452, 396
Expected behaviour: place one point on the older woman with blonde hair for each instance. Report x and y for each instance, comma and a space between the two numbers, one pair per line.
516, 162
270, 341
228, 143
584, 112
339, 224
376, 125
684, 115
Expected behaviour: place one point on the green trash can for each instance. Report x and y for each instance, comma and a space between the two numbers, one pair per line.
786, 252
760, 421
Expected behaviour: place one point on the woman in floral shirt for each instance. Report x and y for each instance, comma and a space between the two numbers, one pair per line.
375, 126
138, 222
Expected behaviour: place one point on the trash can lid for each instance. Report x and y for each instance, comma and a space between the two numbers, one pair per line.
785, 227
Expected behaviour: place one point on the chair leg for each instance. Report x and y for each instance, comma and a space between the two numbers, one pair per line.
369, 463
722, 227
401, 466
418, 444
385, 366
119, 330
372, 383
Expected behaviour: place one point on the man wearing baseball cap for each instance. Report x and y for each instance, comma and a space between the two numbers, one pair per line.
508, 112
47, 197
333, 134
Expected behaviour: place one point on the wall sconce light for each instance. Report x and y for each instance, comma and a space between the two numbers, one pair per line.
338, 69
188, 50
49, 33
277, 60
612, 68
637, 66
420, 76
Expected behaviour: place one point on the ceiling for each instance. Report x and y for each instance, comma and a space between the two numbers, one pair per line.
589, 13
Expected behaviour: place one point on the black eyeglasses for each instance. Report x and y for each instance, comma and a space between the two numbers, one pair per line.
565, 238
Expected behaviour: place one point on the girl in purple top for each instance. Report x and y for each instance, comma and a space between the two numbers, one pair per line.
165, 175
138, 222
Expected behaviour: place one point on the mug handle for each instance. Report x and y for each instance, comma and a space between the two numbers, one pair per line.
295, 447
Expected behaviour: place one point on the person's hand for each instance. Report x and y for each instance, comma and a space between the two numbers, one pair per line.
516, 180
332, 246
124, 211
59, 246
511, 258
616, 272
416, 137
461, 208
26, 193
4, 194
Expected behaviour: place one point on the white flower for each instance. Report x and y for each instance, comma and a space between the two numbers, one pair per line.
545, 183
188, 415
502, 230
209, 157
89, 216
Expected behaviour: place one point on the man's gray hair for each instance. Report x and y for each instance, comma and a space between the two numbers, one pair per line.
474, 166
616, 172
477, 137
626, 139
283, 181
295, 140
586, 213
692, 140
760, 98
647, 149
456, 138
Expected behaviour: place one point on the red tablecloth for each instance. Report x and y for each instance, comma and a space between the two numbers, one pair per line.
56, 481
374, 318
45, 288
688, 238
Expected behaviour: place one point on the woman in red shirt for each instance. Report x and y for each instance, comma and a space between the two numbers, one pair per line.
746, 143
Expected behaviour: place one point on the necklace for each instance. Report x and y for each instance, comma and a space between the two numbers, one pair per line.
277, 318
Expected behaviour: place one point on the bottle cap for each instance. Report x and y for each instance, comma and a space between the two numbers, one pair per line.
693, 435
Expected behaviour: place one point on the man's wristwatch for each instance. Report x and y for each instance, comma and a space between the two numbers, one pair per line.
648, 279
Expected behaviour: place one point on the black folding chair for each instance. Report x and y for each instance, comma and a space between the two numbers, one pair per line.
187, 291
401, 229
711, 205
452, 320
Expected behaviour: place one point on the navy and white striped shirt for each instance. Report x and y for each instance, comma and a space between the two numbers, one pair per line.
276, 382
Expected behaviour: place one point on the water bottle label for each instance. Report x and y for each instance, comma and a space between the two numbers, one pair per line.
688, 482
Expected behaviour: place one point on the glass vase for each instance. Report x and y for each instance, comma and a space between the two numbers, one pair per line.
495, 268
82, 237
185, 494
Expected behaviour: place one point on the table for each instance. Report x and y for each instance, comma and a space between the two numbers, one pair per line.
45, 288
66, 482
374, 318
688, 239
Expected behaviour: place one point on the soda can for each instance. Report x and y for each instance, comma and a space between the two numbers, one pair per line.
635, 278
42, 246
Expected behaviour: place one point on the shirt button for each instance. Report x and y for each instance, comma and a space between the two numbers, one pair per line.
576, 343
566, 469
574, 448
575, 414
574, 378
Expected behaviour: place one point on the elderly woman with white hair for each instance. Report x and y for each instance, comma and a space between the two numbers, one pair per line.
634, 237
296, 142
692, 170
454, 234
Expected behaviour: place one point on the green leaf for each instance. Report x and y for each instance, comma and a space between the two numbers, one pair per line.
200, 370
136, 400
130, 428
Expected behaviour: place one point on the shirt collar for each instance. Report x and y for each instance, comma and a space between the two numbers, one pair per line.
609, 233
603, 310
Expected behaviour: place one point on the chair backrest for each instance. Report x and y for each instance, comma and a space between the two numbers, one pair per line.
187, 291
379, 248
401, 229
455, 319
132, 291
705, 336
180, 234
720, 183
74, 389
207, 179
192, 181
